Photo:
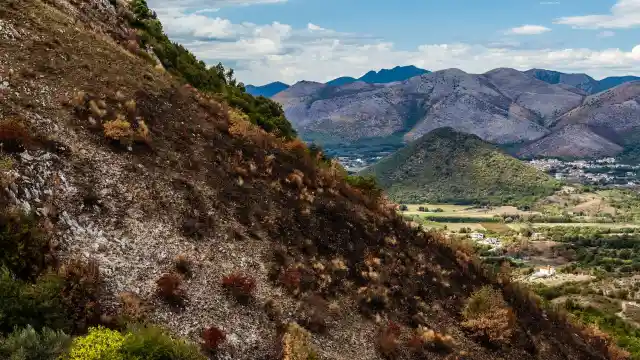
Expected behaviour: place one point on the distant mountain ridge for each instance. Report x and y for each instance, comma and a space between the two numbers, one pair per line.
384, 76
449, 166
267, 90
581, 81
502, 106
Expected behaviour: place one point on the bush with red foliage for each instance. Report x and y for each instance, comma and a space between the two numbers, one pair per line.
14, 136
241, 286
291, 279
169, 288
388, 340
212, 339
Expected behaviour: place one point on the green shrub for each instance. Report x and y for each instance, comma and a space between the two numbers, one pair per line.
263, 112
39, 305
151, 343
28, 344
367, 184
24, 246
99, 344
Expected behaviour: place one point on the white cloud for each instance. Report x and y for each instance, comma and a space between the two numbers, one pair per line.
606, 34
269, 52
528, 30
549, 2
624, 14
314, 27
208, 4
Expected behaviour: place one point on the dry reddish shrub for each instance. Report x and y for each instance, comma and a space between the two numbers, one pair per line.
241, 286
388, 340
82, 292
488, 316
133, 307
169, 288
291, 279
212, 338
295, 145
14, 136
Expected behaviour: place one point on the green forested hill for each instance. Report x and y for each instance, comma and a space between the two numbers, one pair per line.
448, 166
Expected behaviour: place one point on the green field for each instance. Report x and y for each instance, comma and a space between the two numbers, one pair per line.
456, 217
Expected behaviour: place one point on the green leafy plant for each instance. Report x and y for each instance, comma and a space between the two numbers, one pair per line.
99, 344
29, 344
151, 343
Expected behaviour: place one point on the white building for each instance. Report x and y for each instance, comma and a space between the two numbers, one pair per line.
477, 236
545, 272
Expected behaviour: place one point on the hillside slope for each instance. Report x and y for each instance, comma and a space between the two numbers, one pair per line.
267, 90
449, 166
581, 81
124, 165
452, 98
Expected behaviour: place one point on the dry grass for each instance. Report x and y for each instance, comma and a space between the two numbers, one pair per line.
488, 317
296, 344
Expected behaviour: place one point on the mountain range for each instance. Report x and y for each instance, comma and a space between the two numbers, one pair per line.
384, 76
533, 113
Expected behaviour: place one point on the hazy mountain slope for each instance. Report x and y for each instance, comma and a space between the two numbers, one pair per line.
574, 140
342, 81
448, 166
547, 101
198, 181
581, 81
613, 114
267, 90
398, 73
613, 81
416, 106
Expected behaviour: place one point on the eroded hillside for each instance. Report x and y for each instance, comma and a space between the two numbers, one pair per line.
197, 219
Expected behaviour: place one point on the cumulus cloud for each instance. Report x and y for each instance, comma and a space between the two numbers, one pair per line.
314, 27
624, 14
261, 53
528, 30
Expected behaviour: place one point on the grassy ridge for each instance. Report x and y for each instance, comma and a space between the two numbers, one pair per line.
446, 166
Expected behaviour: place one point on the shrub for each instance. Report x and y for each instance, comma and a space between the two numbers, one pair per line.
295, 344
28, 344
241, 286
488, 316
430, 339
151, 343
14, 136
39, 305
169, 288
388, 340
212, 338
24, 246
366, 184
81, 292
99, 344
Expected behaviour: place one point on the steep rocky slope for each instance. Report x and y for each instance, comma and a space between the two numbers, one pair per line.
125, 166
453, 98
583, 82
449, 166
574, 141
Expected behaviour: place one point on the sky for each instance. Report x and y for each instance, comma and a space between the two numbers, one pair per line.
319, 40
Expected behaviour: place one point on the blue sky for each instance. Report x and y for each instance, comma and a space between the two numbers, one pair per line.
291, 40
